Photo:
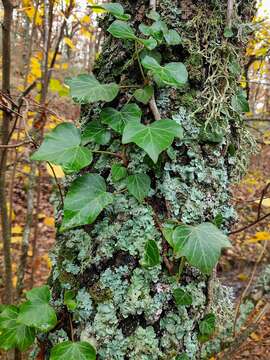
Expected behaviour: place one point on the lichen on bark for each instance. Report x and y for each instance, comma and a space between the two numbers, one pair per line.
125, 310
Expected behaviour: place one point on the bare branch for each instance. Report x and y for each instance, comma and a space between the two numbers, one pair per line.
230, 7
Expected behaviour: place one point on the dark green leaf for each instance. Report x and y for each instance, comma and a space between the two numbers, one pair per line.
144, 95
151, 254
139, 185
12, 334
119, 172
181, 297
218, 220
173, 74
69, 350
62, 147
115, 9
172, 37
207, 325
153, 138
201, 245
85, 200
122, 30
167, 231
37, 312
86, 89
96, 132
118, 119
69, 300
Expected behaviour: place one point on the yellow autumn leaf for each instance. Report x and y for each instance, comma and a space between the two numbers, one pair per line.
17, 229
47, 261
242, 277
16, 239
265, 202
59, 173
259, 236
255, 337
13, 216
14, 281
86, 19
49, 221
41, 216
69, 42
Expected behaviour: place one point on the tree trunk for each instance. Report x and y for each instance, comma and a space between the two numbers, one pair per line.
126, 310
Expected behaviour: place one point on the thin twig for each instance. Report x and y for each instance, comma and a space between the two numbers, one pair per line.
264, 192
250, 225
57, 183
12, 146
230, 6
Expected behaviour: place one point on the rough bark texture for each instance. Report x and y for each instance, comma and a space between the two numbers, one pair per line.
128, 311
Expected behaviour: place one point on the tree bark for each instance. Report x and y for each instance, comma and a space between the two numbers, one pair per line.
128, 311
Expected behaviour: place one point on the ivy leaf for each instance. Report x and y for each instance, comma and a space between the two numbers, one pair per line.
167, 231
173, 74
115, 9
207, 325
69, 300
150, 43
119, 172
85, 200
240, 103
118, 119
153, 138
151, 254
94, 131
182, 357
12, 334
172, 37
153, 15
122, 30
37, 312
68, 350
62, 147
144, 95
139, 185
86, 89
181, 297
201, 245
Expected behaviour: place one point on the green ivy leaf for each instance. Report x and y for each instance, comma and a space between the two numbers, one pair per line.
240, 103
122, 30
69, 350
12, 334
115, 9
144, 95
182, 357
151, 254
85, 200
86, 89
139, 185
69, 300
96, 132
181, 297
167, 231
228, 33
207, 325
172, 74
37, 312
201, 245
150, 43
153, 15
118, 119
172, 37
153, 138
62, 146
119, 172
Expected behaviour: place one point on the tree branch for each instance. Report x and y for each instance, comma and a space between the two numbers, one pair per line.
230, 7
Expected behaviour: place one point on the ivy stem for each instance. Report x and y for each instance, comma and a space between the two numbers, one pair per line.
71, 328
130, 86
181, 268
107, 153
139, 61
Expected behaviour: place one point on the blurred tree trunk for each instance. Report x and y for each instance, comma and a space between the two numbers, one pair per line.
127, 311
6, 120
